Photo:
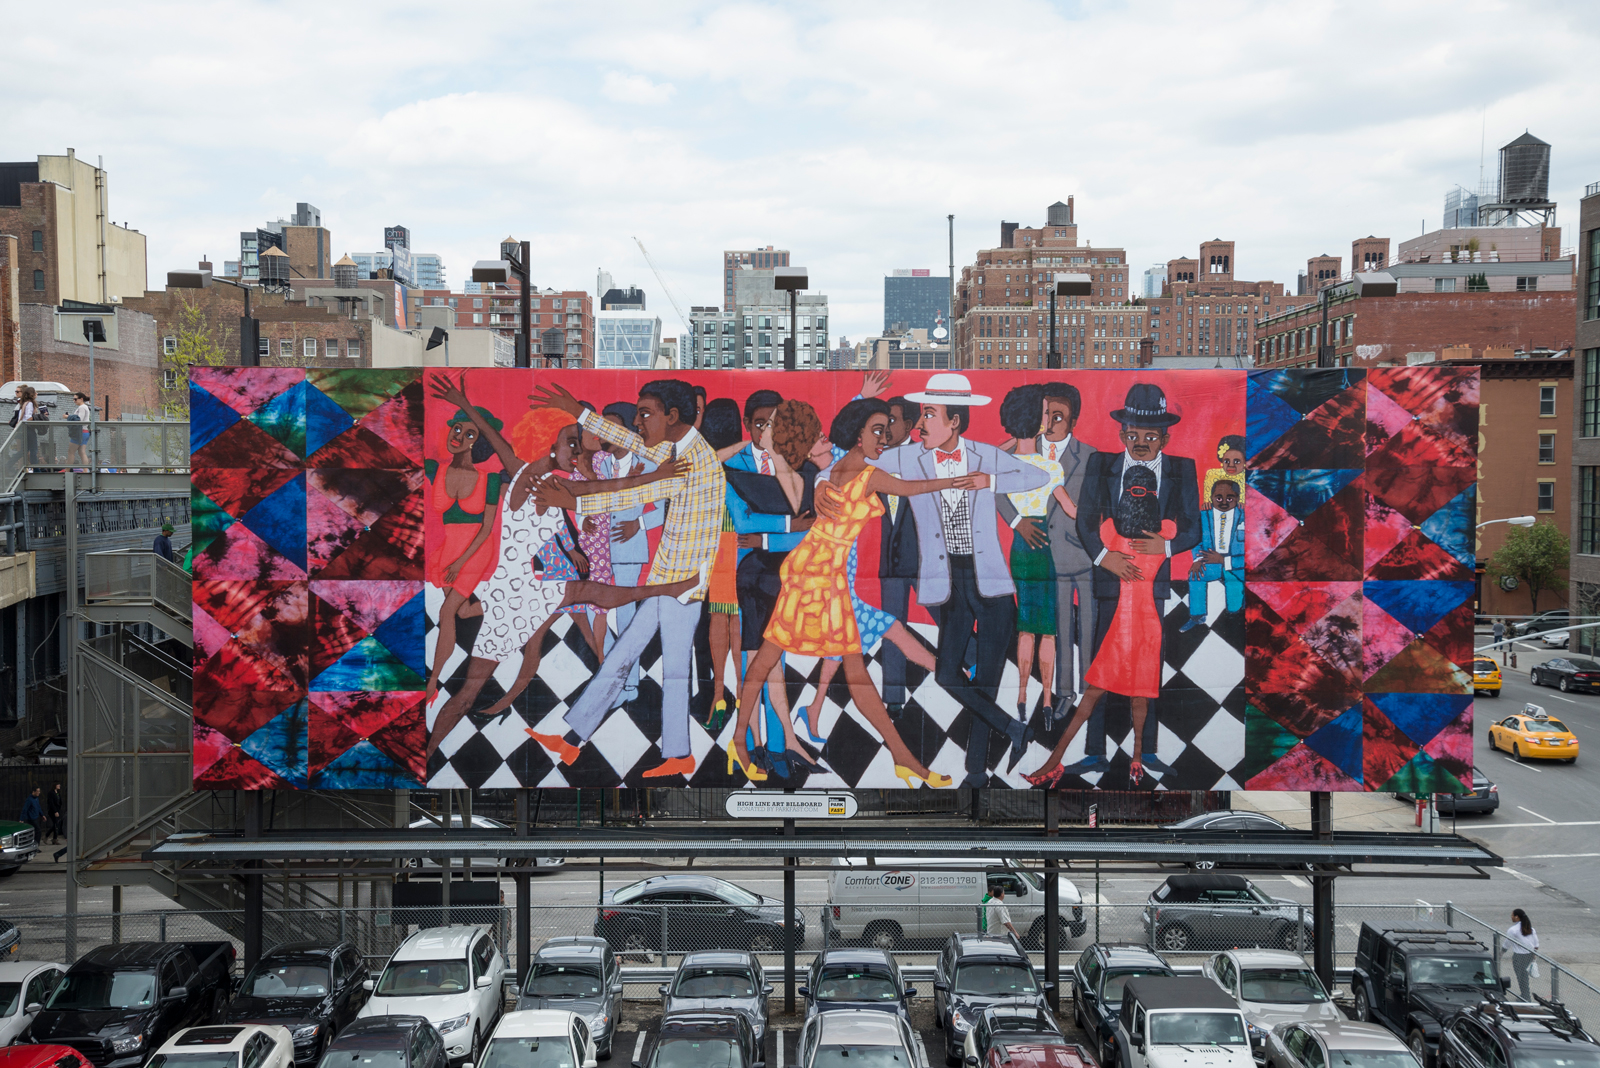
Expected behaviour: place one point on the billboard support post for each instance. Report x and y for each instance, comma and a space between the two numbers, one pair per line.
788, 923
253, 905
1322, 892
524, 934
1052, 904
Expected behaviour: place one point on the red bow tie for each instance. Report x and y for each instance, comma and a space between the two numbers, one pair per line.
947, 457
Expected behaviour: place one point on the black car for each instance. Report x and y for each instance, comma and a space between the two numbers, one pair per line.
693, 1039
1541, 1034
1228, 820
313, 990
1556, 620
856, 978
386, 1042
716, 980
978, 972
1485, 797
1098, 977
1414, 979
1568, 673
675, 913
579, 974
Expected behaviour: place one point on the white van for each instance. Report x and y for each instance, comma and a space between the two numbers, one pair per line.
902, 900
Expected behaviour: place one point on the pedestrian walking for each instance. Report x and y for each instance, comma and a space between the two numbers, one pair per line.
54, 806
162, 546
33, 813
78, 436
27, 411
1500, 636
1523, 941
996, 915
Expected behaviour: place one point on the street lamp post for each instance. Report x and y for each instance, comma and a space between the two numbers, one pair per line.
500, 271
793, 280
1516, 521
1066, 285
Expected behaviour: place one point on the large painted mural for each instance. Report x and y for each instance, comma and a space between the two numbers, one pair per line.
1087, 580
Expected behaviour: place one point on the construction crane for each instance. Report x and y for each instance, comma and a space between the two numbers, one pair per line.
683, 320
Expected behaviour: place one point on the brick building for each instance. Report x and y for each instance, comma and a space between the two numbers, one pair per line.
1003, 301
734, 260
10, 311
1524, 462
1205, 312
54, 350
57, 208
561, 321
1584, 593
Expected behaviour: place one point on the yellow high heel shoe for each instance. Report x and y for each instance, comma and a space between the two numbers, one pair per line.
934, 780
751, 772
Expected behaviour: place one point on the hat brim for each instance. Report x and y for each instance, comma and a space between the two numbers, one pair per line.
1122, 416
970, 400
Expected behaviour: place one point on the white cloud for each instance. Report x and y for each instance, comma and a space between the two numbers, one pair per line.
845, 132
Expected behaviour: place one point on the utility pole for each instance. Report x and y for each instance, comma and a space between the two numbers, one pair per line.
951, 219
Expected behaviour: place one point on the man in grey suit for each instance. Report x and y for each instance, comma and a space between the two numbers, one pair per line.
1062, 405
898, 559
962, 572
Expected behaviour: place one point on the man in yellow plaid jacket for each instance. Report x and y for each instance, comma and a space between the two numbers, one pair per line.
693, 499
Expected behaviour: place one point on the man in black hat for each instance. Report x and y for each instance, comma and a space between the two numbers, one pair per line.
1145, 422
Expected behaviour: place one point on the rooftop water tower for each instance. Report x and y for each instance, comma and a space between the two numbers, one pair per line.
1524, 194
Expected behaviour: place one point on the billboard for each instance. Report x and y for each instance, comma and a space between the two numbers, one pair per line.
1082, 579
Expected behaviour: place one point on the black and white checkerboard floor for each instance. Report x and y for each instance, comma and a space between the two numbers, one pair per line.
1201, 716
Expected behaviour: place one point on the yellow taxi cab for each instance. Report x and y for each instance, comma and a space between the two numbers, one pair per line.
1532, 735
1485, 676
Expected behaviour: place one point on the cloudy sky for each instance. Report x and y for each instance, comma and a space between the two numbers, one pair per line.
844, 131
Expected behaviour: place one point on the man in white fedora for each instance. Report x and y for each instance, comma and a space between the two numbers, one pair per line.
964, 578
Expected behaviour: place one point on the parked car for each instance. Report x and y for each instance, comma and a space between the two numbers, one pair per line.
1523, 1034
386, 1042
312, 989
1567, 673
1413, 979
10, 939
978, 972
856, 978
1485, 797
858, 1036
720, 979
580, 974
540, 1038
1485, 676
452, 977
691, 1039
1554, 639
18, 844
119, 1002
1098, 978
1189, 912
1272, 986
1341, 1043
1532, 735
1229, 820
427, 866
692, 912
25, 985
227, 1046
1016, 1037
903, 900
50, 1056
1553, 620
1180, 1022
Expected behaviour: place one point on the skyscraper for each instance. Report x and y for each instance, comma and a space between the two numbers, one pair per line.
916, 297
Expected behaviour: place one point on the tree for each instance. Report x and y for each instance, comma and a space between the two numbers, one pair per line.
1535, 556
196, 347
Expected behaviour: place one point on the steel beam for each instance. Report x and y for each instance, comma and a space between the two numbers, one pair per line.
1052, 885
1322, 892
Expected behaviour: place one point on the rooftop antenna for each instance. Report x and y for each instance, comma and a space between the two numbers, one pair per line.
1483, 140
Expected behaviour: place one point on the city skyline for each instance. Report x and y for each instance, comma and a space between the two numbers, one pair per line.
631, 120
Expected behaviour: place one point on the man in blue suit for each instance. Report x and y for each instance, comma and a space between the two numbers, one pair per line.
1220, 557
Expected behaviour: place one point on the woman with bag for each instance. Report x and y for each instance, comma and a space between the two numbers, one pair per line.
78, 436
27, 411
1523, 940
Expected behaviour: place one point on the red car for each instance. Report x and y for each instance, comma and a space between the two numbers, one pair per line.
45, 1056
1034, 1054
1021, 1037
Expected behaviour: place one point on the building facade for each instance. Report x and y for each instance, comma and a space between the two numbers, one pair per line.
735, 259
125, 379
302, 238
1205, 313
561, 321
55, 206
1584, 575
762, 314
626, 339
713, 340
916, 298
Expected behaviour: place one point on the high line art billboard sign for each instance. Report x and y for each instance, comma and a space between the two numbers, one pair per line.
1084, 579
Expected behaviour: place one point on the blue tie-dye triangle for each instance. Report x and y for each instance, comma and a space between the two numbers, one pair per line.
280, 520
402, 634
280, 744
368, 665
1339, 741
1417, 605
325, 420
1450, 527
1421, 715
208, 417
1300, 492
364, 767
1267, 417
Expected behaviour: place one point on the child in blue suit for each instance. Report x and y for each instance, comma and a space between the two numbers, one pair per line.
1220, 556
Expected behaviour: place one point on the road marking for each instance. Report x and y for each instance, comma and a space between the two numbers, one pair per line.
1515, 874
1568, 700
1296, 880
1553, 823
1535, 815
638, 1048
1536, 771
1555, 856
779, 1036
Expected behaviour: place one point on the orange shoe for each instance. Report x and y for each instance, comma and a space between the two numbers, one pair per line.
557, 745
683, 765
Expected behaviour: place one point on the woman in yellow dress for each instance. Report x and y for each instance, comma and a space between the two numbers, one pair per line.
814, 615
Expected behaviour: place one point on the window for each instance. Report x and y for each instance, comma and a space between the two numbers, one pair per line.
1591, 393
286, 347
1529, 284
169, 345
333, 348
38, 241
169, 378
309, 347
1589, 511
263, 346
1547, 448
478, 302
1547, 495
574, 305
1547, 400
477, 318
1444, 285
353, 348
38, 281
1591, 305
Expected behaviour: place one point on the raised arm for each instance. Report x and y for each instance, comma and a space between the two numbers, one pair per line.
450, 393
883, 482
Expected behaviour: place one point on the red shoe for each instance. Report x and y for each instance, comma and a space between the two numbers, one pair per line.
683, 765
557, 745
1047, 779
1136, 772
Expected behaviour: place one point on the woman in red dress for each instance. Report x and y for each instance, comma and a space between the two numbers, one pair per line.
1124, 664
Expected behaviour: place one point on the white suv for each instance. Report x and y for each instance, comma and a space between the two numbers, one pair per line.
452, 977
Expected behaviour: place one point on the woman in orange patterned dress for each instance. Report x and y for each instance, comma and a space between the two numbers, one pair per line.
814, 615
